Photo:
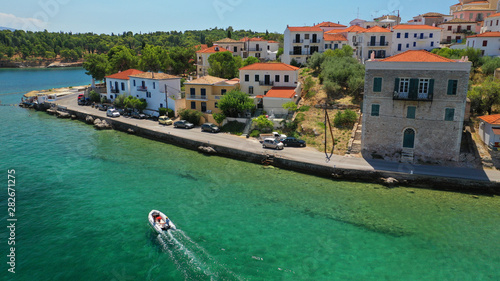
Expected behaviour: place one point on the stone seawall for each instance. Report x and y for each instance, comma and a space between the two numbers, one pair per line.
380, 177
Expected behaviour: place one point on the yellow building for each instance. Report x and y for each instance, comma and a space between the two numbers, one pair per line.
204, 93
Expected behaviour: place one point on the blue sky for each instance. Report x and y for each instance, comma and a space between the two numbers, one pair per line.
101, 16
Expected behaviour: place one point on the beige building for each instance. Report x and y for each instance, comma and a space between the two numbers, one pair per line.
414, 106
202, 56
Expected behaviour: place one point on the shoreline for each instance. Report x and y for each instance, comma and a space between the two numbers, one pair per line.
43, 63
309, 162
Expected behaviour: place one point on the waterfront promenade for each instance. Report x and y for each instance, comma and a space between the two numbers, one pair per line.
307, 156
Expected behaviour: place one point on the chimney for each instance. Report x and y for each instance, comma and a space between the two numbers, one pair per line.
372, 56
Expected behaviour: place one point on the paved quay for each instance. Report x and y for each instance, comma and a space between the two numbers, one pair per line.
314, 160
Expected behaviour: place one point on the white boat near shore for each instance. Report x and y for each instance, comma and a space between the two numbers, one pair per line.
160, 222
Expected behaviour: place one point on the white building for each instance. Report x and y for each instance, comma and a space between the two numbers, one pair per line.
155, 88
328, 26
234, 46
202, 55
488, 43
119, 83
272, 102
333, 41
415, 37
258, 78
491, 23
300, 43
351, 34
374, 40
489, 130
454, 31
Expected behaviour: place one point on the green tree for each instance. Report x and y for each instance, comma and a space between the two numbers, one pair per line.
250, 60
263, 124
219, 118
345, 119
94, 96
490, 64
280, 52
485, 96
344, 75
97, 66
150, 58
224, 65
290, 106
235, 102
191, 115
181, 60
119, 101
122, 58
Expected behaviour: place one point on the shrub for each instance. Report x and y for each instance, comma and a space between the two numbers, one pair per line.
95, 96
308, 84
166, 112
192, 116
345, 119
310, 94
234, 127
304, 108
255, 134
219, 117
290, 106
119, 101
263, 124
104, 99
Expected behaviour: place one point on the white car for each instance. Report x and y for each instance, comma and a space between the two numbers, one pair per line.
272, 143
113, 113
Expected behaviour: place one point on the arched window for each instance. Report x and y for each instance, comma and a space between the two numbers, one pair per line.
409, 138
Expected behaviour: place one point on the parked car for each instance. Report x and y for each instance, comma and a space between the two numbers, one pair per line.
272, 143
102, 107
164, 120
81, 96
209, 127
291, 141
137, 115
183, 124
112, 113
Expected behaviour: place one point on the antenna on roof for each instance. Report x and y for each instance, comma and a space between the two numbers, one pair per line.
357, 16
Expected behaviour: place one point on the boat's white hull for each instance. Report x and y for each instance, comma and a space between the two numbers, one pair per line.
169, 225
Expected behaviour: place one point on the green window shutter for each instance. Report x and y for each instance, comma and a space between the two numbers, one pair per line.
452, 87
396, 85
410, 114
431, 87
375, 109
377, 84
449, 114
413, 94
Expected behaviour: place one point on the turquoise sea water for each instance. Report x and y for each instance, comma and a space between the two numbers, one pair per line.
82, 198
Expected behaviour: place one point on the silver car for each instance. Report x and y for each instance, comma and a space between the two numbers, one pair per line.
113, 113
272, 143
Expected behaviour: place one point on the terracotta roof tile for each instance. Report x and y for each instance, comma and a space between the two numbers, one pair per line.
329, 24
206, 80
227, 40
281, 92
353, 28
155, 76
124, 75
201, 47
271, 41
494, 15
334, 37
270, 66
457, 20
244, 39
305, 28
213, 49
414, 26
431, 14
491, 119
417, 56
376, 29
487, 34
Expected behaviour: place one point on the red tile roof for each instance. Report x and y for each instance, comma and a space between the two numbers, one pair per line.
491, 119
305, 28
281, 92
487, 34
496, 131
417, 56
494, 15
334, 37
414, 26
353, 28
270, 66
477, 2
375, 29
244, 39
212, 50
124, 75
329, 24
201, 47
271, 41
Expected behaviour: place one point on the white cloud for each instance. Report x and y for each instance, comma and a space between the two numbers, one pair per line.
34, 24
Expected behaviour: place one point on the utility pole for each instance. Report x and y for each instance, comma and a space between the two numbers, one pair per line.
166, 98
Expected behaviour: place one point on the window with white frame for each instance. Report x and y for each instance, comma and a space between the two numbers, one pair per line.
404, 85
423, 86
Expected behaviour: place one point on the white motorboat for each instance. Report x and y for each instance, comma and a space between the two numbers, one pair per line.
160, 222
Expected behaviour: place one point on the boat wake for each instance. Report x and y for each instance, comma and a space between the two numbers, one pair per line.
191, 259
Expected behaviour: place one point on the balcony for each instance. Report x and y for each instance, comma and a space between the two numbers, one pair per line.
217, 97
303, 53
298, 41
317, 41
255, 49
115, 91
377, 44
193, 97
266, 83
142, 89
412, 96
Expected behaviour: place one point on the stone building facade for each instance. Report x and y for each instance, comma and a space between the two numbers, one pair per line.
414, 107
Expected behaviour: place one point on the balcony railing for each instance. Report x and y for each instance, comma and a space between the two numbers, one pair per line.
412, 97
193, 97
255, 49
317, 41
303, 53
218, 97
266, 83
142, 89
377, 44
298, 41
115, 91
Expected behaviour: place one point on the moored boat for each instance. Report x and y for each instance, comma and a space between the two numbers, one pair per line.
160, 222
